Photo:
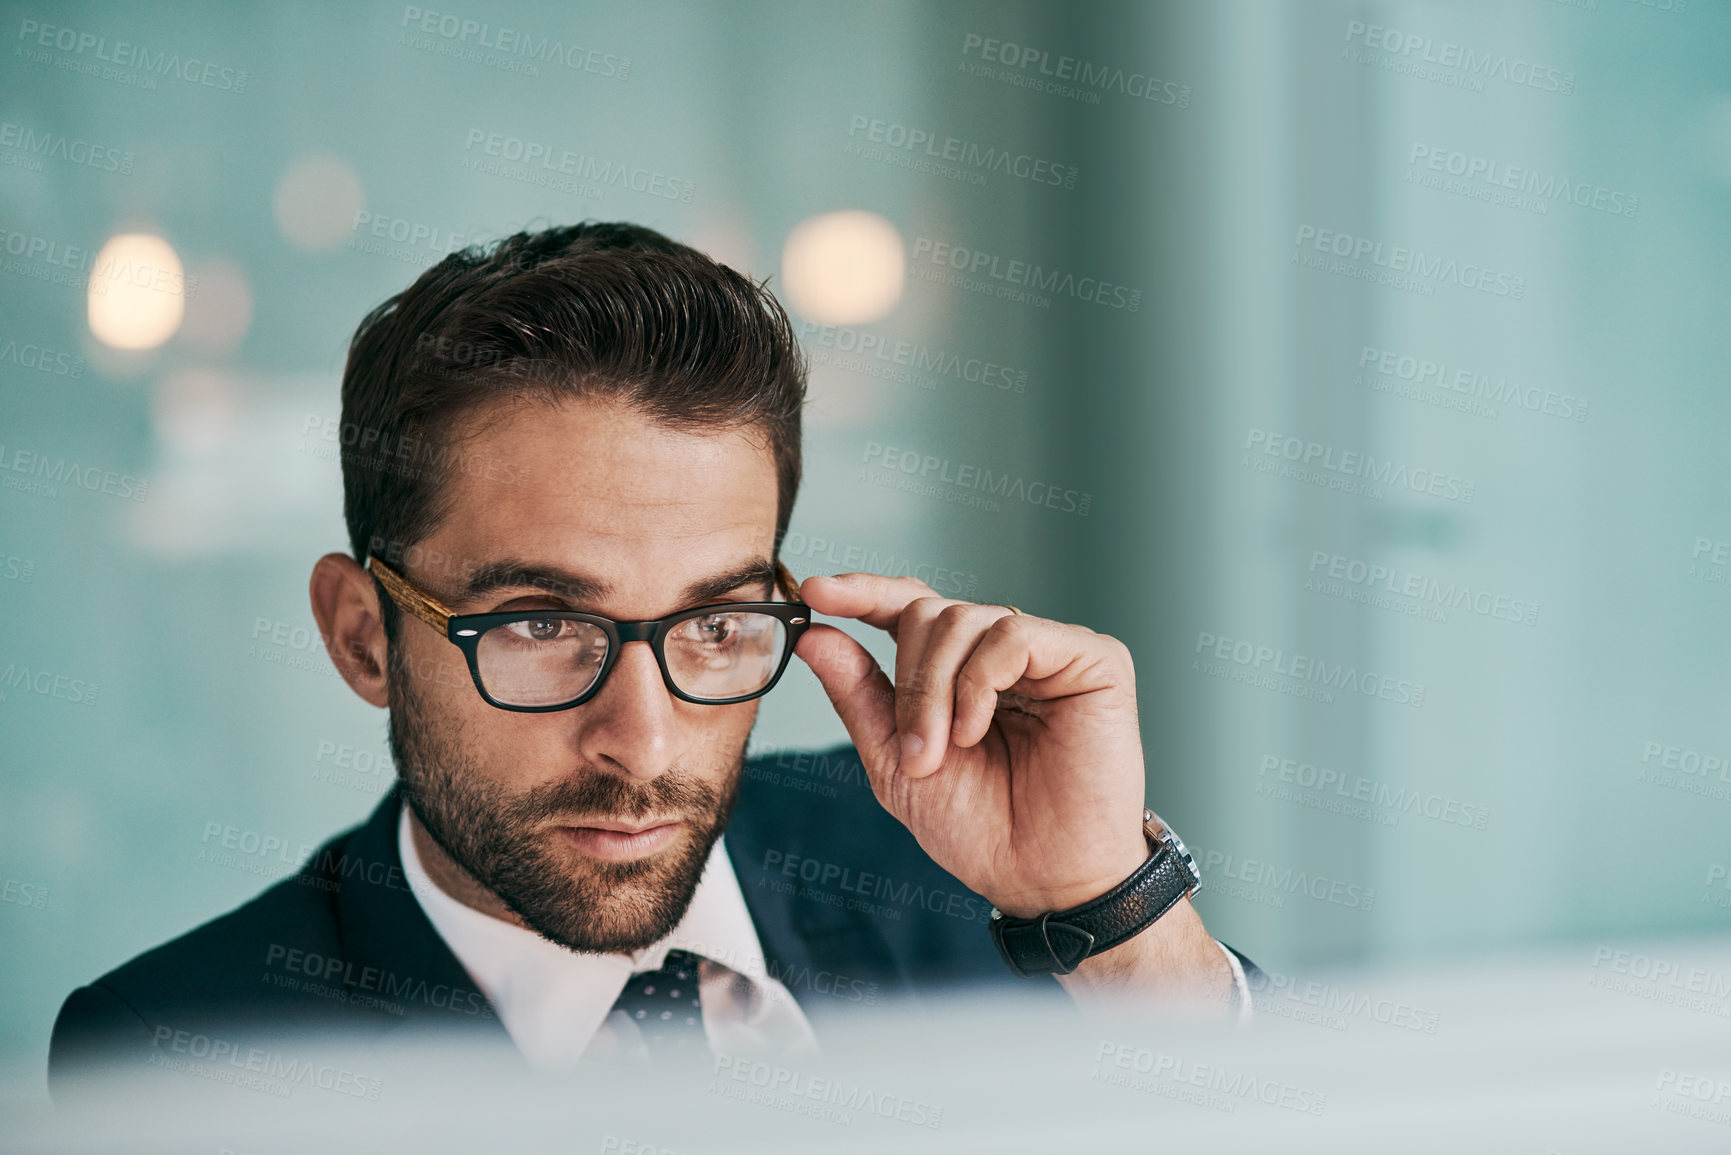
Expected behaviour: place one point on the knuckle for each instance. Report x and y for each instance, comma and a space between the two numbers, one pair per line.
927, 608
957, 614
918, 685
972, 692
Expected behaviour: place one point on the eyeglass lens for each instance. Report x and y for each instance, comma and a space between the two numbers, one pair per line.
546, 661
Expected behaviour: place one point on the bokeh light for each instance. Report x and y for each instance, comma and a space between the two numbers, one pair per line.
316, 202
843, 268
195, 407
137, 292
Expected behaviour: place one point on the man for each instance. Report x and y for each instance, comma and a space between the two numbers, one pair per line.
586, 438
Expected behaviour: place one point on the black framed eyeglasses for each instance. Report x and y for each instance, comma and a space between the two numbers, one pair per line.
540, 660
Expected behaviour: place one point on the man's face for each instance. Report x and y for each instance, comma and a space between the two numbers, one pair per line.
521, 801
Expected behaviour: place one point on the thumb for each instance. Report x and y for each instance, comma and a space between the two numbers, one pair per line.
860, 692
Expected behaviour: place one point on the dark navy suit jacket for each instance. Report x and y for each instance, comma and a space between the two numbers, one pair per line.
848, 908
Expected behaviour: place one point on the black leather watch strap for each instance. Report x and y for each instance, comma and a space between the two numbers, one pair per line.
1057, 942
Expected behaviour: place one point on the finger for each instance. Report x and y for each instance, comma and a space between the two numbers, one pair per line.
871, 598
860, 692
1040, 659
999, 661
944, 636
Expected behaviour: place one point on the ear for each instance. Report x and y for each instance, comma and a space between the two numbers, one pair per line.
346, 606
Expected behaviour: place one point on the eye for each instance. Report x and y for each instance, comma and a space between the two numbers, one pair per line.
717, 628
541, 629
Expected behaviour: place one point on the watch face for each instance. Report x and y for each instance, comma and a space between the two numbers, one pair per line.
1184, 854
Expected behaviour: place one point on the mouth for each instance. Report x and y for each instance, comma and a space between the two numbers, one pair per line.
618, 841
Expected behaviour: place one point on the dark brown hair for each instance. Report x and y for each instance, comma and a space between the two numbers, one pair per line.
595, 309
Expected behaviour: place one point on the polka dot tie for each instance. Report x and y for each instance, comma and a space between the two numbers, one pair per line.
665, 1005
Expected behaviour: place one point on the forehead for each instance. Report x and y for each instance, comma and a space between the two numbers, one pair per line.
595, 486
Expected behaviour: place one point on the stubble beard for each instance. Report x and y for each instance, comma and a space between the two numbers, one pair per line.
507, 842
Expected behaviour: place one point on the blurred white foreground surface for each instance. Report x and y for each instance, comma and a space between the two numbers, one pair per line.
1603, 1047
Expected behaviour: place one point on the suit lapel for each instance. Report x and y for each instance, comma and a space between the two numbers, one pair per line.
391, 948
827, 957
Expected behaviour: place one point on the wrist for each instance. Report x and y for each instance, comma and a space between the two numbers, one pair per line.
1060, 940
1109, 872
1175, 958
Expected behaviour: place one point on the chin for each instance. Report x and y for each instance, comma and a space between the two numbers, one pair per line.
599, 906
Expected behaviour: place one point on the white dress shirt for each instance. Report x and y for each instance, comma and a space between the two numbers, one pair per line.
1240, 984
557, 1003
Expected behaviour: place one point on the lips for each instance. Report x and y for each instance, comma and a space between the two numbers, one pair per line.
623, 827
615, 841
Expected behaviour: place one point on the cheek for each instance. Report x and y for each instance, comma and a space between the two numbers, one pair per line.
478, 737
437, 675
513, 749
722, 729
724, 745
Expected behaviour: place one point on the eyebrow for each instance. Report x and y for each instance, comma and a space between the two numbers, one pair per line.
510, 573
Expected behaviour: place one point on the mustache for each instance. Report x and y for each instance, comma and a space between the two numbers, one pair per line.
598, 795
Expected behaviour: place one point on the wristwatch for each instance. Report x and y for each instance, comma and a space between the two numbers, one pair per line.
1056, 942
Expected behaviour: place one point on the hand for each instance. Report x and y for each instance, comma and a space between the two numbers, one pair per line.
1008, 744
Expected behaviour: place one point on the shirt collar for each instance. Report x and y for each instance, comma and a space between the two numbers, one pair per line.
548, 992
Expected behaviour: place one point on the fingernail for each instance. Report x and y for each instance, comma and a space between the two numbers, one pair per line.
912, 744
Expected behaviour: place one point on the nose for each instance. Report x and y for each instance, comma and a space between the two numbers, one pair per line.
630, 723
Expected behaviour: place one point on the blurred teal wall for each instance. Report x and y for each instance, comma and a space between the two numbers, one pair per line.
1404, 476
